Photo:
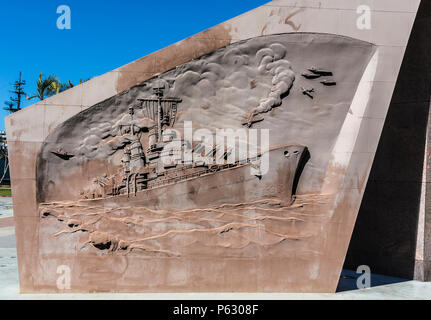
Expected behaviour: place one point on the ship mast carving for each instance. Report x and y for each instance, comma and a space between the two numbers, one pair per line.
139, 168
163, 111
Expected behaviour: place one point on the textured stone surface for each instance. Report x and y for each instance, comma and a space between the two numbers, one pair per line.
346, 175
235, 226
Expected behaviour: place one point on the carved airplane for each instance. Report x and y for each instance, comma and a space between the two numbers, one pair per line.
328, 83
320, 72
311, 76
250, 122
308, 92
62, 154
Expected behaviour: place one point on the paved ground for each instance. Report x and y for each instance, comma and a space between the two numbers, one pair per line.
383, 288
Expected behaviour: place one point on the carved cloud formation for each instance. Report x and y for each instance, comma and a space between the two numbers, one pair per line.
219, 91
247, 79
105, 138
283, 77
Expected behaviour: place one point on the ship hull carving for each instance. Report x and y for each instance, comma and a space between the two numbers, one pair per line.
237, 183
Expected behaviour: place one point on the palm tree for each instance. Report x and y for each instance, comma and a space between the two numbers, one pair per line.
60, 87
46, 87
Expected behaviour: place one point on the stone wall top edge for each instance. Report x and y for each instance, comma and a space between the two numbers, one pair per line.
339, 9
410, 6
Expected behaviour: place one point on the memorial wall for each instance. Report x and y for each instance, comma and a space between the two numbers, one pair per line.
233, 161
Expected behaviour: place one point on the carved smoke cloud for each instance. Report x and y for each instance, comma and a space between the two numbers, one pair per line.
271, 60
218, 92
224, 89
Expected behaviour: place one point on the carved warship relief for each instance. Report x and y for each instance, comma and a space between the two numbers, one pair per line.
165, 163
123, 177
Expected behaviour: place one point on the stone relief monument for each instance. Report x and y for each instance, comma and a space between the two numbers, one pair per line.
125, 183
137, 192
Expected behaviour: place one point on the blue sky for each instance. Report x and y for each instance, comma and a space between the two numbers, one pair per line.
105, 35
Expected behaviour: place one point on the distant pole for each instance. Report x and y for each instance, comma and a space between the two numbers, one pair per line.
18, 91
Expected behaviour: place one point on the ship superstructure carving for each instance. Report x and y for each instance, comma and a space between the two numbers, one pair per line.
157, 166
140, 166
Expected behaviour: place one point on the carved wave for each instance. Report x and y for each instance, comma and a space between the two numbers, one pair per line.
230, 230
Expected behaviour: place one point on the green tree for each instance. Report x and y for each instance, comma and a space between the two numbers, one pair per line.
45, 87
60, 87
49, 86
